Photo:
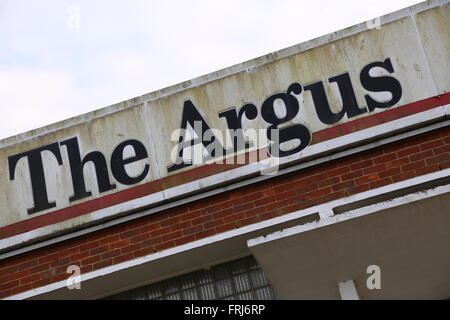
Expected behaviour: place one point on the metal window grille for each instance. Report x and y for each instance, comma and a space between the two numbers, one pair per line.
242, 279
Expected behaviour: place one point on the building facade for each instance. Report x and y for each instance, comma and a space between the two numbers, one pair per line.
320, 171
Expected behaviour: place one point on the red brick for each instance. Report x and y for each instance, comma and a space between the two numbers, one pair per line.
108, 239
120, 244
385, 158
68, 252
352, 175
339, 171
60, 262
191, 215
270, 215
243, 207
22, 273
314, 178
110, 254
140, 238
102, 264
79, 256
251, 197
413, 166
255, 211
201, 220
143, 252
328, 182
180, 226
150, 227
99, 250
358, 189
130, 233
160, 232
122, 258
421, 155
375, 169
164, 245
404, 176
439, 158
42, 282
380, 183
373, 153
199, 235
408, 151
442, 149
225, 227
196, 205
366, 179
171, 236
390, 172
171, 221
89, 246
330, 197
397, 163
152, 242
8, 269
222, 213
27, 264
23, 288
327, 190
192, 230
60, 277
90, 260
184, 240
130, 248
230, 218
425, 170
361, 165
6, 278
9, 285
29, 279
432, 144
48, 274
136, 224
178, 211
244, 222
48, 258
264, 201
444, 165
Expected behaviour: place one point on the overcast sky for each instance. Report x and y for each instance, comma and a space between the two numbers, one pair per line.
61, 58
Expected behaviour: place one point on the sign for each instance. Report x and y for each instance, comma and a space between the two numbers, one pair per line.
165, 144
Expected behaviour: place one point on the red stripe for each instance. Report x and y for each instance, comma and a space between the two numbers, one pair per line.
210, 169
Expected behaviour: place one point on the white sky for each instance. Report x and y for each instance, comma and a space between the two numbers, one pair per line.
61, 58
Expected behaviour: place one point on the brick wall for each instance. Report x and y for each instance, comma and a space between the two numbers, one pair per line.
356, 173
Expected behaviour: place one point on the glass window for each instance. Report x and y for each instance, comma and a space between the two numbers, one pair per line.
242, 279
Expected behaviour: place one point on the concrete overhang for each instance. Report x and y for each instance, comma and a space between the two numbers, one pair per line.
410, 243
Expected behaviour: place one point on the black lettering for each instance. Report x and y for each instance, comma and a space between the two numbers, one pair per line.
118, 162
380, 84
349, 103
76, 169
191, 116
292, 132
37, 175
234, 122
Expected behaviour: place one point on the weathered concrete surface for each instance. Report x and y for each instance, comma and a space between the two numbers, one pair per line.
418, 46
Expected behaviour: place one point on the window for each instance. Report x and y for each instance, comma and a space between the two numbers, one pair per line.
242, 279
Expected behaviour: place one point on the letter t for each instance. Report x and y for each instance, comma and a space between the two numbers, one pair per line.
37, 175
